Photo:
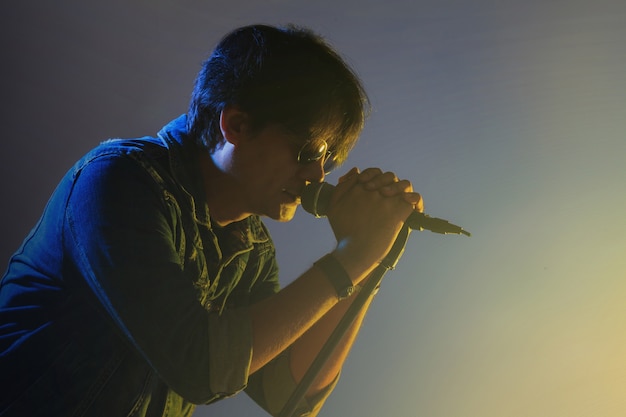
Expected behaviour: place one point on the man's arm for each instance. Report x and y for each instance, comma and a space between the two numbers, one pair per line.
306, 349
366, 221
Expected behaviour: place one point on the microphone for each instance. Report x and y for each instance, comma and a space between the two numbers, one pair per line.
315, 199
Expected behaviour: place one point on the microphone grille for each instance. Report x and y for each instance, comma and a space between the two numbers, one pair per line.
315, 198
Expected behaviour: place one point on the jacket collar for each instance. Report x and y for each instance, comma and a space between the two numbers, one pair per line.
185, 166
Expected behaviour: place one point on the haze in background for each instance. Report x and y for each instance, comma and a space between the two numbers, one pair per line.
509, 118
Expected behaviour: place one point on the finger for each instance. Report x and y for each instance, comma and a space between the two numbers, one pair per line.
344, 184
369, 173
381, 180
395, 188
416, 200
354, 171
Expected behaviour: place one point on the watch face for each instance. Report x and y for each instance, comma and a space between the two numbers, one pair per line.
346, 292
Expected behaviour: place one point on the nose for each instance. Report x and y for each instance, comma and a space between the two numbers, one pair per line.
313, 171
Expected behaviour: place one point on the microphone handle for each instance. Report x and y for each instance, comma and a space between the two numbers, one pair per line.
421, 221
315, 199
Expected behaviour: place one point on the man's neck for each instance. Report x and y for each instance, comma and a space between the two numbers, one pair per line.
221, 189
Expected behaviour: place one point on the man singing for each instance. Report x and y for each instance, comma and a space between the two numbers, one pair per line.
150, 283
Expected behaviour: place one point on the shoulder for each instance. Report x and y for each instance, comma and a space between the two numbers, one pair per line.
149, 148
145, 154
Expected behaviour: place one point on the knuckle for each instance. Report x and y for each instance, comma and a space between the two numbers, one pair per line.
371, 173
371, 170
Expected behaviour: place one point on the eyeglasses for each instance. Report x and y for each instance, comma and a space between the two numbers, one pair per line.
313, 151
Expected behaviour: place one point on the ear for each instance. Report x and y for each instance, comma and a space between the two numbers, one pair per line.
233, 124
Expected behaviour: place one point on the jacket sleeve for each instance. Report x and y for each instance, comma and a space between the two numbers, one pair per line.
122, 237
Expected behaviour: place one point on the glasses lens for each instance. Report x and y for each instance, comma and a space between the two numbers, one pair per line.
330, 162
314, 151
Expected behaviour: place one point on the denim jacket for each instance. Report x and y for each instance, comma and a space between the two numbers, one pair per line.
124, 300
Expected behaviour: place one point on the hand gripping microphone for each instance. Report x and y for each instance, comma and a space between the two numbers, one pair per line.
315, 199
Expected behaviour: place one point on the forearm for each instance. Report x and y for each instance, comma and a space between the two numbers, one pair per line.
305, 349
280, 320
273, 385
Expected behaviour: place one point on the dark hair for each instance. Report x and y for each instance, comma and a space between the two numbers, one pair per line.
289, 76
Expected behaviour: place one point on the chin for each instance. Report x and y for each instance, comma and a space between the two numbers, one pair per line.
286, 213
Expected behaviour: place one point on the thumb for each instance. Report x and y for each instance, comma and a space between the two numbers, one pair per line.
354, 171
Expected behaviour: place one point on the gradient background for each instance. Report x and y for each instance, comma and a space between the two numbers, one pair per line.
509, 118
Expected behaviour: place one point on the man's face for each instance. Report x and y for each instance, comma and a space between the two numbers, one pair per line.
271, 176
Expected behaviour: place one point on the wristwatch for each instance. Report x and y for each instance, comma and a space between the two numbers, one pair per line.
337, 276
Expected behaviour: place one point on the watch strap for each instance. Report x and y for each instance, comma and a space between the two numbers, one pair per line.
337, 276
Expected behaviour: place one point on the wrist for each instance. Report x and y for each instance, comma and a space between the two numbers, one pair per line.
337, 276
355, 265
